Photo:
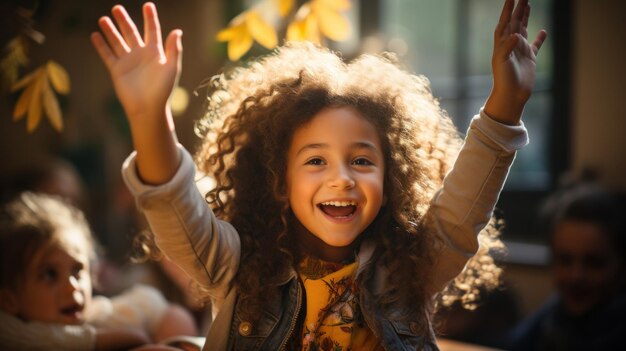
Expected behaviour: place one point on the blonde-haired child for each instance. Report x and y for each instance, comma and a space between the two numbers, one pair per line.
338, 215
46, 288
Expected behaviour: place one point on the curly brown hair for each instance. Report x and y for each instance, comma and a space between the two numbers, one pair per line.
252, 114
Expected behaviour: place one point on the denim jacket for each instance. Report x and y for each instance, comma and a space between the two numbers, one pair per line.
208, 249
279, 319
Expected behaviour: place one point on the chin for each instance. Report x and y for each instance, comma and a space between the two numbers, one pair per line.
340, 242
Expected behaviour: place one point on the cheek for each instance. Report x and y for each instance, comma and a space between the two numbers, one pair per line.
38, 304
86, 286
85, 279
562, 276
607, 277
295, 196
303, 185
375, 189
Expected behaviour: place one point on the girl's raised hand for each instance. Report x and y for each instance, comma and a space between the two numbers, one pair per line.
144, 73
513, 63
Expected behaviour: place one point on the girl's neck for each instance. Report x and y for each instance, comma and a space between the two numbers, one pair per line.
311, 245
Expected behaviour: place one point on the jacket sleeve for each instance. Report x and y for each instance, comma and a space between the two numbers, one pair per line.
16, 334
141, 307
465, 203
185, 228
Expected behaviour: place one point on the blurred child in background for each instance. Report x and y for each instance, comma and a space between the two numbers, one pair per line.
46, 252
588, 244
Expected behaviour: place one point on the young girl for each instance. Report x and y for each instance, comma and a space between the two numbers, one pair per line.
46, 301
326, 228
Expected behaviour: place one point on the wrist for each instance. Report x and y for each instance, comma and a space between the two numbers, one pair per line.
505, 108
149, 118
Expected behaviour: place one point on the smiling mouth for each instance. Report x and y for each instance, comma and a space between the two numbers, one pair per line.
338, 209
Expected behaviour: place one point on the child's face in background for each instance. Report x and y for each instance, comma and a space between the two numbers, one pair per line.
57, 286
335, 174
587, 270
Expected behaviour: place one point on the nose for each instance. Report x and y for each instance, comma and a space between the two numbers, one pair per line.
72, 283
73, 287
576, 273
341, 178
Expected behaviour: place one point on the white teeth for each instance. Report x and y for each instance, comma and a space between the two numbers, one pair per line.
339, 203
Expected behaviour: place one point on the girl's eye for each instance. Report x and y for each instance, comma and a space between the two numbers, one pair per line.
315, 162
49, 275
362, 162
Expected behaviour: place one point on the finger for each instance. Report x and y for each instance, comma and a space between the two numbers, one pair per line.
524, 27
127, 26
538, 42
505, 18
518, 16
114, 38
105, 53
526, 16
174, 48
152, 27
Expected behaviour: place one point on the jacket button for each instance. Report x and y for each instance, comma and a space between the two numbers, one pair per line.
245, 328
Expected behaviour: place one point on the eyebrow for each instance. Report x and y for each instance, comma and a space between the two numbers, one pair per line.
356, 145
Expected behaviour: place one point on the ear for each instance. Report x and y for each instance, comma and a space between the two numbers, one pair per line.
8, 302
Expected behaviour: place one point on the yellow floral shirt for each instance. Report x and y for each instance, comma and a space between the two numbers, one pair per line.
333, 319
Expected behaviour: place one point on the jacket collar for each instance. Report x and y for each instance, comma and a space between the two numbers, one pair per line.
366, 251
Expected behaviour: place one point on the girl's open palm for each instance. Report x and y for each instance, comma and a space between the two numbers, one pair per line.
514, 57
144, 73
514, 60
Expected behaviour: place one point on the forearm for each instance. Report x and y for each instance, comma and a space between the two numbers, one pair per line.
505, 107
155, 143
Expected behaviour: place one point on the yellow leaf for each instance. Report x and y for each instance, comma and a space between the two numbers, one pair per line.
23, 102
262, 32
51, 106
59, 77
303, 11
312, 30
226, 34
24, 81
14, 57
234, 26
337, 5
332, 24
297, 30
284, 7
239, 44
34, 107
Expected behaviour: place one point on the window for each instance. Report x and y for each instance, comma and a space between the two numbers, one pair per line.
450, 42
